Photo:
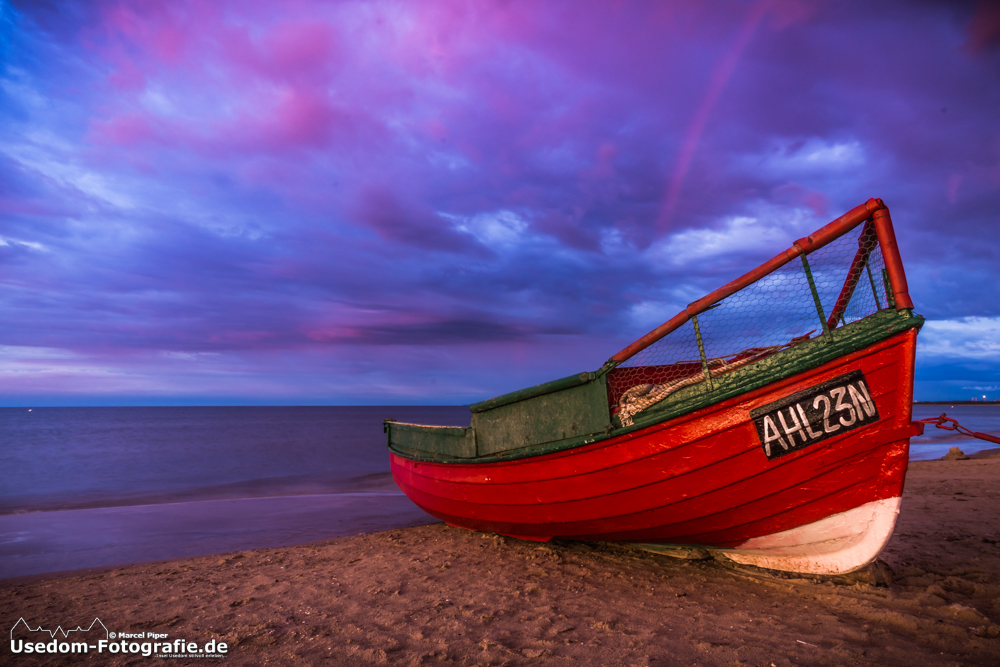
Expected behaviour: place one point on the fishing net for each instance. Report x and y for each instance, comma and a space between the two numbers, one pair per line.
778, 311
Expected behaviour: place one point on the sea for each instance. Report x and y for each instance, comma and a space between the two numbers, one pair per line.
84, 488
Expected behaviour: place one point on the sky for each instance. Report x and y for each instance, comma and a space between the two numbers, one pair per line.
244, 202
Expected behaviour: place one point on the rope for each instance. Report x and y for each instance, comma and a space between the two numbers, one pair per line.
641, 396
948, 424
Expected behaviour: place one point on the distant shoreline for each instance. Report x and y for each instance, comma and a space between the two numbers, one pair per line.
956, 402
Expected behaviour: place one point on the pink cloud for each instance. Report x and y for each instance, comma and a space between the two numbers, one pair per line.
296, 118
306, 153
127, 129
127, 75
301, 46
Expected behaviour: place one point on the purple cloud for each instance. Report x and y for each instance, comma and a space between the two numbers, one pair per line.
248, 201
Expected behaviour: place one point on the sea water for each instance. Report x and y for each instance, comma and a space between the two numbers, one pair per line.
935, 442
91, 487
56, 458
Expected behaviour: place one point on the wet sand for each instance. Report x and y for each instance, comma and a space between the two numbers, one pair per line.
42, 542
194, 523
438, 595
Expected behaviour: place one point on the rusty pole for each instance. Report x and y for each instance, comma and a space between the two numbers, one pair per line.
893, 263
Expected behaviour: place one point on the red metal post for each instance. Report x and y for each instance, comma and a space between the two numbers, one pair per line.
814, 241
735, 286
656, 334
853, 274
841, 225
893, 263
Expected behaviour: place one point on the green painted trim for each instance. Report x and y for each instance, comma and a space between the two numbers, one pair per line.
524, 452
532, 392
436, 441
804, 356
889, 296
701, 352
815, 293
868, 268
422, 428
541, 389
553, 417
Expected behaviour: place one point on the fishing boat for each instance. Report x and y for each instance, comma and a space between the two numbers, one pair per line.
768, 422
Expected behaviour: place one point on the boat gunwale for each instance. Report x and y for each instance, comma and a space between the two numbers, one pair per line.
803, 357
681, 421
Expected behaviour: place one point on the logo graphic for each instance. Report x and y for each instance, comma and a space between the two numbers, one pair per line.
65, 633
26, 639
97, 638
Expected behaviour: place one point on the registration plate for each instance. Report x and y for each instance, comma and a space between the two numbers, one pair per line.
815, 414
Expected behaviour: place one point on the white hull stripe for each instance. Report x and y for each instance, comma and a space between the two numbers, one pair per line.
840, 543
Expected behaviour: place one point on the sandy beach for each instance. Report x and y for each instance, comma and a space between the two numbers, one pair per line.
439, 595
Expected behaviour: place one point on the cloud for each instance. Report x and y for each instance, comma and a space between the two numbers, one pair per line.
498, 229
812, 155
33, 245
739, 234
968, 338
380, 210
245, 188
447, 332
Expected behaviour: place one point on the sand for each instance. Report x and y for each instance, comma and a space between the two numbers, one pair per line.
439, 595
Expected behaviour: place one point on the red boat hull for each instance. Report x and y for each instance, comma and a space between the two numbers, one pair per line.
699, 479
